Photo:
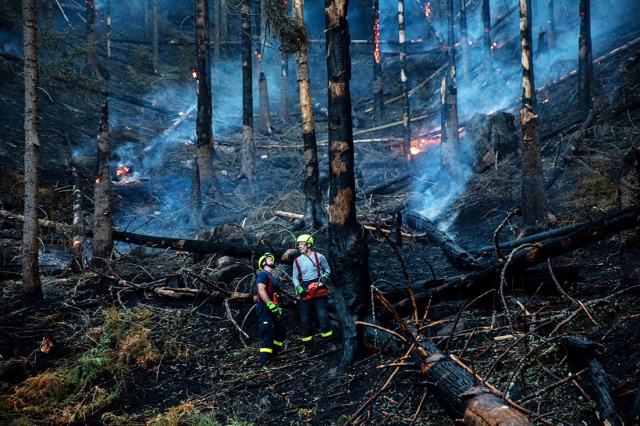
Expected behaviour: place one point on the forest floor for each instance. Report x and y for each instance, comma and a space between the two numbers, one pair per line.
106, 348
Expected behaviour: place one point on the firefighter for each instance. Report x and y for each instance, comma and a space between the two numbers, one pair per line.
310, 272
272, 329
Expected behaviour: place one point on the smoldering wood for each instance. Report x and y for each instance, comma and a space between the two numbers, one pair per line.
454, 252
478, 282
139, 102
585, 354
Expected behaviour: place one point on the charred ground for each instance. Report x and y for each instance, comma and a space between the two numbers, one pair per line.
109, 348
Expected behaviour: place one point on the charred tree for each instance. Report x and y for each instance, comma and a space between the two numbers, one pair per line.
348, 252
629, 186
285, 115
204, 131
486, 35
248, 161
264, 114
92, 57
31, 285
585, 57
406, 109
378, 92
459, 392
195, 199
102, 217
534, 200
450, 162
551, 33
216, 33
108, 7
263, 96
49, 15
314, 214
154, 35
464, 38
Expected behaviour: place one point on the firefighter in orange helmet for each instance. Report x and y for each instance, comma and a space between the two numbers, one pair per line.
272, 329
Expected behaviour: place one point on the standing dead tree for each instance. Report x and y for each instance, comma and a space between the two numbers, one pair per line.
348, 251
585, 57
534, 200
378, 91
102, 214
31, 285
248, 162
406, 108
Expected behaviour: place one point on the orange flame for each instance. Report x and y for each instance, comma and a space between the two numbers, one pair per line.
376, 41
122, 171
427, 10
420, 145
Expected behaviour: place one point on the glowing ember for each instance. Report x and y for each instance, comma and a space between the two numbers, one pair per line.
194, 74
427, 10
376, 41
420, 145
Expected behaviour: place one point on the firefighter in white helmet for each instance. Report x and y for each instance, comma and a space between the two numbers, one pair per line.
310, 273
272, 328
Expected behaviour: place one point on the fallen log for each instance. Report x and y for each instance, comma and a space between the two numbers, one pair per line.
478, 282
451, 250
584, 354
194, 293
284, 255
464, 397
509, 245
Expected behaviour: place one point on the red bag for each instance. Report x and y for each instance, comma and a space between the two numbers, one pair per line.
316, 291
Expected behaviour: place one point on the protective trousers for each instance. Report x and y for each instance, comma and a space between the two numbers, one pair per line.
306, 318
272, 332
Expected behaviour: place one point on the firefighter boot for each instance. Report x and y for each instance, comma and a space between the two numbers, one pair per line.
265, 358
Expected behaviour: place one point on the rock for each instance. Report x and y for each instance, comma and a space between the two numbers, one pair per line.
491, 136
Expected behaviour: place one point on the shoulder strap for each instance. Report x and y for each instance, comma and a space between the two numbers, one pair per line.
317, 263
299, 270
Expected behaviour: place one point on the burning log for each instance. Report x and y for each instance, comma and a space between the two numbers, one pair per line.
451, 250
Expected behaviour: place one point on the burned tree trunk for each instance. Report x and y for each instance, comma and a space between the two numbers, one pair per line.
92, 57
31, 286
406, 109
108, 7
49, 16
154, 35
314, 214
348, 252
534, 200
464, 42
551, 33
248, 161
265, 113
585, 57
195, 199
451, 250
585, 354
204, 132
462, 396
378, 92
450, 162
285, 115
629, 186
216, 32
486, 35
102, 217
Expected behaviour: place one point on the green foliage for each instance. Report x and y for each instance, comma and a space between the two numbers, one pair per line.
72, 392
596, 190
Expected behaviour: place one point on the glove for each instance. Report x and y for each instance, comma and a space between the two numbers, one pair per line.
323, 279
302, 292
275, 310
